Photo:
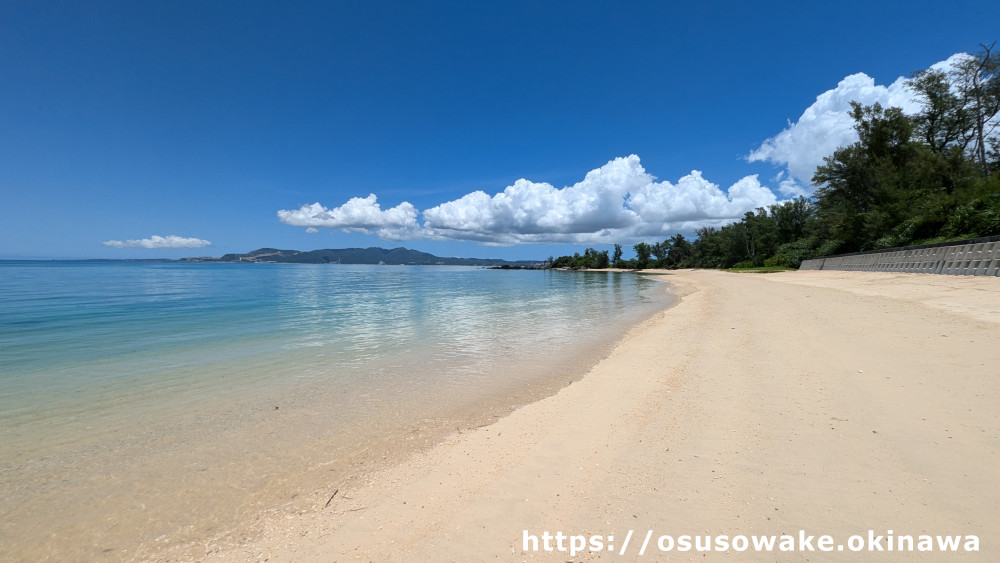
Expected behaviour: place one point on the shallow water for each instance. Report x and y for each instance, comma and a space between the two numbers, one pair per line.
146, 405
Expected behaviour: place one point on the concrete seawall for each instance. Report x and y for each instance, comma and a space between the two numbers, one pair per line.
976, 257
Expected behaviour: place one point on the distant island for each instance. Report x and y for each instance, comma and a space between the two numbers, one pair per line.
371, 255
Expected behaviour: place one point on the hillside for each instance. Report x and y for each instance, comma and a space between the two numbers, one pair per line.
371, 255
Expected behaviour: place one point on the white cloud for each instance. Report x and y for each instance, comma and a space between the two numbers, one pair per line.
694, 200
617, 202
157, 241
538, 212
826, 125
788, 186
312, 230
358, 214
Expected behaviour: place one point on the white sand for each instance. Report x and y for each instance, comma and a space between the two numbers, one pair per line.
830, 402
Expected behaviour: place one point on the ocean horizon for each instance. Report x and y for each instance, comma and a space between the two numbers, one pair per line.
146, 405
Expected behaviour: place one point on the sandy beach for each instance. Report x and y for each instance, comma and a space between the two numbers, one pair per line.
833, 403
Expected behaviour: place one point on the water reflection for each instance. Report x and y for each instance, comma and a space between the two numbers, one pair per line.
174, 366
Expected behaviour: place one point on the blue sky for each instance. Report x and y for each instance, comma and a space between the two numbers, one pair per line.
198, 122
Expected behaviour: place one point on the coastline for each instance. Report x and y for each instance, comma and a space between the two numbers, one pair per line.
833, 403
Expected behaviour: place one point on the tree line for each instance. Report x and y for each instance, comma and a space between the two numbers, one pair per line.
909, 179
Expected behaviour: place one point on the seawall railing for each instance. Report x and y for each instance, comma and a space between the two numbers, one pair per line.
974, 257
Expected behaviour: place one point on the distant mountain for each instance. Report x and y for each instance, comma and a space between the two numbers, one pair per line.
372, 255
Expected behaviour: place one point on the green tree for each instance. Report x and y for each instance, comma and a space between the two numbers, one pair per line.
616, 258
865, 188
659, 251
977, 80
761, 232
642, 254
601, 260
943, 123
562, 262
680, 251
792, 218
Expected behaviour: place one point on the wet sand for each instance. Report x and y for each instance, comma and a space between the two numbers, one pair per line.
830, 402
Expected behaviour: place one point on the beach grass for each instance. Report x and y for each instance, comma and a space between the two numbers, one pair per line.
761, 269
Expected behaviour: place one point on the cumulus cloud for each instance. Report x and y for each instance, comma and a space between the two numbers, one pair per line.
358, 214
156, 241
693, 200
826, 124
529, 211
617, 202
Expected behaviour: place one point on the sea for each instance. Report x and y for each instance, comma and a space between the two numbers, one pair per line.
169, 407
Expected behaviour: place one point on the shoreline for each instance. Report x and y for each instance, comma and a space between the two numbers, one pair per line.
828, 402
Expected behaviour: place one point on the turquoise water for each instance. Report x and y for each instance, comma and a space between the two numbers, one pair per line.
213, 392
